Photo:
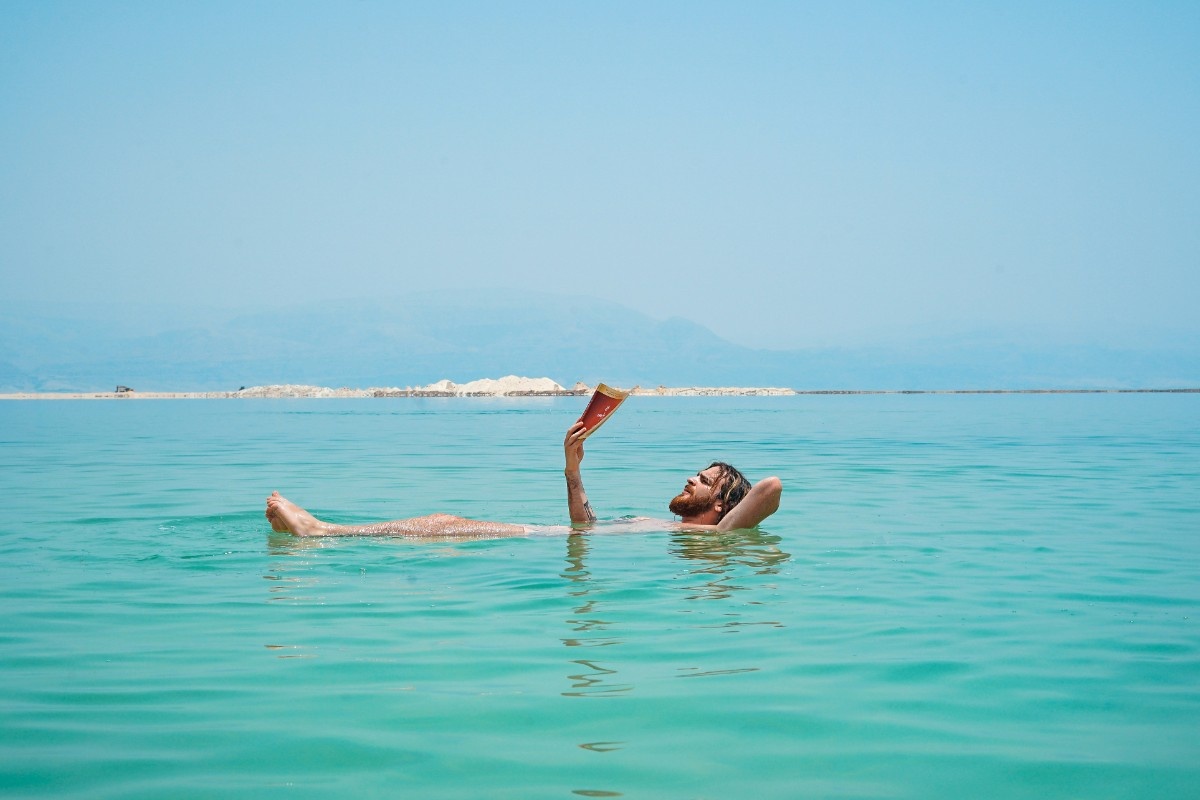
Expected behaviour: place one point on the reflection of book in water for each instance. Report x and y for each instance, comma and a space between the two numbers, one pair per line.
602, 405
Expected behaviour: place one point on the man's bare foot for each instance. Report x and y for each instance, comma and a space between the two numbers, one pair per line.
287, 517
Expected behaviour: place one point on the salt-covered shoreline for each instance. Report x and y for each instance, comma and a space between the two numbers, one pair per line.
514, 386
508, 386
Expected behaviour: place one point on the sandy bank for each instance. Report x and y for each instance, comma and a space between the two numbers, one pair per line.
508, 386
513, 386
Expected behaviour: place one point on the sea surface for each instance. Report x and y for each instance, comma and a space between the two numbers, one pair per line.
961, 596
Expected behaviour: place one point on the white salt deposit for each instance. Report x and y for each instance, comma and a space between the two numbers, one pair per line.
509, 384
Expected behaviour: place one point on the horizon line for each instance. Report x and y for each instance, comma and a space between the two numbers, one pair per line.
326, 393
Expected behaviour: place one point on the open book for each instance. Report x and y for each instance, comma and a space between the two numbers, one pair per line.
604, 402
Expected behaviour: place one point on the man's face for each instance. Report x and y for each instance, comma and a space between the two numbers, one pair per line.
699, 495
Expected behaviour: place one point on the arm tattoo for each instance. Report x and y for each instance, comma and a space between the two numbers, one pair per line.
576, 496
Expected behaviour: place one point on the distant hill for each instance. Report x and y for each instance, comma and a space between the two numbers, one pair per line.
467, 335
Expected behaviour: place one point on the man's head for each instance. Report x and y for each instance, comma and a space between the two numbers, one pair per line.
713, 491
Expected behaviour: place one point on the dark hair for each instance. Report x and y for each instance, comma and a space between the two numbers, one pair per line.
734, 486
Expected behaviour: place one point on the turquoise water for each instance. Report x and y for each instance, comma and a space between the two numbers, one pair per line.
983, 596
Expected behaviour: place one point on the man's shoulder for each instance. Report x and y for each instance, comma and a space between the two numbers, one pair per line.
647, 525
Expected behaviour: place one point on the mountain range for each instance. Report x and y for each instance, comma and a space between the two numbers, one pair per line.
464, 335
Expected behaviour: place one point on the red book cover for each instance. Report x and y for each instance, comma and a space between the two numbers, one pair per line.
604, 402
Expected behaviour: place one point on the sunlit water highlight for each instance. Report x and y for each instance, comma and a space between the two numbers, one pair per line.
962, 597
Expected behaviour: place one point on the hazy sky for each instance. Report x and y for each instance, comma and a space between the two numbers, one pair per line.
787, 174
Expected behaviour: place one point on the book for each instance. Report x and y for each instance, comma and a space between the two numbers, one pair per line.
605, 400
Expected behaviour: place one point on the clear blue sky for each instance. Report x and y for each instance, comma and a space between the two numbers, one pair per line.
788, 174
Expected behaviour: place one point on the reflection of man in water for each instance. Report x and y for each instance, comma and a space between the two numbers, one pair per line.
716, 498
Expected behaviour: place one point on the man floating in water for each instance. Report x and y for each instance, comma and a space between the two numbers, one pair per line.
716, 498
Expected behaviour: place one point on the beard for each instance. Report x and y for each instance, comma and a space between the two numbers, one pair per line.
687, 505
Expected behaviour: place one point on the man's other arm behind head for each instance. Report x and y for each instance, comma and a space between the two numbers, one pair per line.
761, 502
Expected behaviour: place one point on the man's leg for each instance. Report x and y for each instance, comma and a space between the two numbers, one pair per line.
287, 517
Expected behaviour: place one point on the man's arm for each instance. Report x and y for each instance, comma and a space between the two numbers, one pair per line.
577, 502
760, 503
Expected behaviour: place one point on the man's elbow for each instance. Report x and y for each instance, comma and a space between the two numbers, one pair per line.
762, 502
772, 490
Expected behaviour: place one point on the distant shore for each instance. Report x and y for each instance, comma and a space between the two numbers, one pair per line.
512, 386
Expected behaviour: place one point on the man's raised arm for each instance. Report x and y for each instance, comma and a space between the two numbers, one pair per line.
577, 502
761, 502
